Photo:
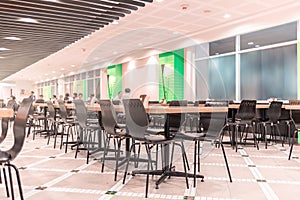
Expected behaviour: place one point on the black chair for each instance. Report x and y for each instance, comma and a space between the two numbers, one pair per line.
273, 114
68, 124
243, 121
6, 157
89, 130
112, 131
214, 125
4, 126
137, 123
52, 123
295, 125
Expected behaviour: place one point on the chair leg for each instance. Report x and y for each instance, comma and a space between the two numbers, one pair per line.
195, 164
117, 157
291, 149
11, 183
148, 168
104, 153
128, 160
18, 180
5, 181
225, 158
185, 156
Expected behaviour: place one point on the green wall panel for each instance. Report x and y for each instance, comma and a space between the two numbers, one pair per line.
173, 77
114, 85
47, 92
80, 87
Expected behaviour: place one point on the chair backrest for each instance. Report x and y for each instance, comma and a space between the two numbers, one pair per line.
80, 112
19, 127
108, 114
294, 102
274, 111
63, 110
136, 118
4, 126
51, 110
143, 97
217, 103
175, 120
213, 121
12, 104
247, 110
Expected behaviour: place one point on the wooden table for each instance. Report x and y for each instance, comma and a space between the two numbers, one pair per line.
6, 112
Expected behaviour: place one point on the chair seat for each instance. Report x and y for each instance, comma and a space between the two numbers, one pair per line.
190, 136
4, 157
155, 138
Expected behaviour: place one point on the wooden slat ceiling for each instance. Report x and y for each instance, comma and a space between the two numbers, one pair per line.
60, 23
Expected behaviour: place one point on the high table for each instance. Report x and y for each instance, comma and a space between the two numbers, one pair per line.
167, 170
6, 112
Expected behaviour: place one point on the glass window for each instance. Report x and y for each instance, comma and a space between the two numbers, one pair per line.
222, 46
277, 34
97, 72
71, 78
67, 79
269, 73
83, 75
90, 87
215, 78
91, 74
97, 88
77, 77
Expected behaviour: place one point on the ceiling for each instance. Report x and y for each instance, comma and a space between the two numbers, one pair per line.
54, 25
156, 27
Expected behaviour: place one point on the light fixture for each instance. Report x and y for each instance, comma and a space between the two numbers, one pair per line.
159, 1
28, 20
4, 49
226, 16
72, 65
62, 69
53, 72
257, 46
12, 38
250, 43
1, 57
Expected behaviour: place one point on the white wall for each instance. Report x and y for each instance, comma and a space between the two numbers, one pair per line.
142, 77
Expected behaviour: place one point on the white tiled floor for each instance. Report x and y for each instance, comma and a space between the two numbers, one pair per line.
263, 174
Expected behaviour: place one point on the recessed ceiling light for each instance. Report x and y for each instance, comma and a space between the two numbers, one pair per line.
257, 46
29, 20
250, 43
159, 1
226, 16
1, 57
62, 69
12, 38
53, 72
115, 22
4, 49
217, 53
72, 65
